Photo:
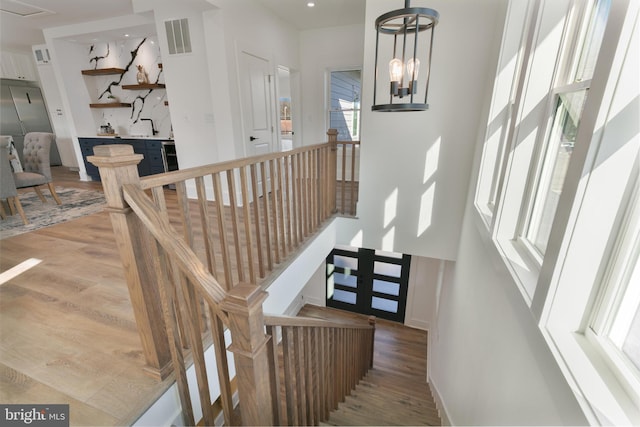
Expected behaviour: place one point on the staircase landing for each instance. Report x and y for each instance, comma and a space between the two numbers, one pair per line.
395, 391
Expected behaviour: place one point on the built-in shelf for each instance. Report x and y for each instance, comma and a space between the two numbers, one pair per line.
103, 71
111, 105
144, 86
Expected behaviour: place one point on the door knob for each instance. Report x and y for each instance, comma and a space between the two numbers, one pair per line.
253, 138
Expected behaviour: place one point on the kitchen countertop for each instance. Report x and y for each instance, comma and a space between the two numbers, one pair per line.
147, 138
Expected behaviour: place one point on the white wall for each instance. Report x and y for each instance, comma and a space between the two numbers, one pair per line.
315, 291
488, 360
424, 277
489, 363
69, 58
415, 166
245, 25
322, 50
58, 114
189, 88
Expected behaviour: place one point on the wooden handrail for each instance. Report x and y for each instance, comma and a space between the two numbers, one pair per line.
172, 177
173, 243
315, 322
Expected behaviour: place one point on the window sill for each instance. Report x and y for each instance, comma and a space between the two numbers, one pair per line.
600, 395
484, 216
523, 269
512, 254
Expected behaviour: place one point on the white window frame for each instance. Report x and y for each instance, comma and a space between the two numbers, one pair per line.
560, 286
507, 84
328, 109
625, 254
550, 21
595, 193
579, 21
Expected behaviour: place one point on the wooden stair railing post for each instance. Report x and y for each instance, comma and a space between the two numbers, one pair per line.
118, 166
332, 135
250, 348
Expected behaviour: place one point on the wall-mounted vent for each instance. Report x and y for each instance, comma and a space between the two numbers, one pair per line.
178, 36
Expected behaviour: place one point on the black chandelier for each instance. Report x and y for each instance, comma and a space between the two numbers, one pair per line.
410, 53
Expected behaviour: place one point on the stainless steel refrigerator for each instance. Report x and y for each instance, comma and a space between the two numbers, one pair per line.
23, 110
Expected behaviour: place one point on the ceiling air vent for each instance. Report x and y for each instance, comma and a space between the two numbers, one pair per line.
178, 36
21, 9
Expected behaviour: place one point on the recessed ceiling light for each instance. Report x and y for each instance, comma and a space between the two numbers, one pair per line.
311, 4
126, 35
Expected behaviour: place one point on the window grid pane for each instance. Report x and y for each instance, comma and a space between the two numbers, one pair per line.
591, 47
385, 287
345, 262
384, 304
344, 108
554, 168
345, 280
344, 296
387, 269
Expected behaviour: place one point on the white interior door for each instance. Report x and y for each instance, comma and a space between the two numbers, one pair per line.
285, 109
257, 111
257, 105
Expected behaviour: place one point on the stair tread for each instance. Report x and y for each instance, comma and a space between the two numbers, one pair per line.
350, 413
399, 384
381, 406
374, 403
399, 398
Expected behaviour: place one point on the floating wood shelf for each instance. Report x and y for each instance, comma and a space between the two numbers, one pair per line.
111, 105
144, 86
103, 71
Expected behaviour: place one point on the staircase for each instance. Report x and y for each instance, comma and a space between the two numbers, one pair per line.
395, 391
383, 399
193, 284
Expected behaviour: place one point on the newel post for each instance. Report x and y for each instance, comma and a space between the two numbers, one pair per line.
118, 165
250, 348
332, 138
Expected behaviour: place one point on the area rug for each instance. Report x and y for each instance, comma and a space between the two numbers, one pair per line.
75, 203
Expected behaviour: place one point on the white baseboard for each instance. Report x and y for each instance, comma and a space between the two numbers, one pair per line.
416, 323
314, 301
295, 307
442, 409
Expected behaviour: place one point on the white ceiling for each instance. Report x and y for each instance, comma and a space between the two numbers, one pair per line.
20, 33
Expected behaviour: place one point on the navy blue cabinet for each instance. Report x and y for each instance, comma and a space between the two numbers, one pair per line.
151, 150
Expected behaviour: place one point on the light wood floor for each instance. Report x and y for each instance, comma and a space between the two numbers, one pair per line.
67, 333
66, 325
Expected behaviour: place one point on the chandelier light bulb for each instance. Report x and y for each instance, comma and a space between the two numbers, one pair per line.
396, 70
413, 68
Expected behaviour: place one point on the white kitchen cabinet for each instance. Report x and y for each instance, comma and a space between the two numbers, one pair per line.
17, 66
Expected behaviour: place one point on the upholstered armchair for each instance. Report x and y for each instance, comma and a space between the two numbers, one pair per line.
36, 164
8, 187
